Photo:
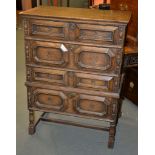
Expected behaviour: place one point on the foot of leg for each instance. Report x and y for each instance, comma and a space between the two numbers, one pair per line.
111, 137
31, 122
111, 143
31, 130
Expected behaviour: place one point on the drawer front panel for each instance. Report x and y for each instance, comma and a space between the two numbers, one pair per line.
58, 30
73, 79
105, 60
49, 76
72, 56
96, 82
49, 29
48, 100
50, 54
72, 103
97, 34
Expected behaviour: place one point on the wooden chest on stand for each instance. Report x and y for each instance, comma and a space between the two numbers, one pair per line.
73, 66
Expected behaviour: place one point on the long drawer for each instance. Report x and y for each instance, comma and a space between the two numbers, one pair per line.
72, 103
72, 56
109, 34
73, 79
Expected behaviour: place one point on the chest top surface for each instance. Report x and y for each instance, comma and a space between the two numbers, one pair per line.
79, 13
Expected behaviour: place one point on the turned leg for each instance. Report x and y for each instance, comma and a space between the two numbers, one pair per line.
122, 95
31, 122
112, 132
120, 108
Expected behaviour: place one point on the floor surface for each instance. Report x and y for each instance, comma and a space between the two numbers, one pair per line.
57, 139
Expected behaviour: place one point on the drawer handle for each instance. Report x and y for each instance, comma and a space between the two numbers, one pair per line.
72, 26
63, 48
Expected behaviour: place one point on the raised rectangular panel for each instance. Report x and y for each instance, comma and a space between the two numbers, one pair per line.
96, 82
95, 33
51, 76
49, 29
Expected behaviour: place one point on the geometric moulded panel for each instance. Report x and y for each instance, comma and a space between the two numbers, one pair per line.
91, 105
50, 54
94, 58
49, 99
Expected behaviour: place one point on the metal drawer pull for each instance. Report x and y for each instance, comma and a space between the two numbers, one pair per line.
63, 48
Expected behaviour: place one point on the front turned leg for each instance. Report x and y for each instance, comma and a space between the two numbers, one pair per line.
120, 108
111, 141
31, 122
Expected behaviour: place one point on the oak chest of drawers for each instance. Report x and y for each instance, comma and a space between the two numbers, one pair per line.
73, 66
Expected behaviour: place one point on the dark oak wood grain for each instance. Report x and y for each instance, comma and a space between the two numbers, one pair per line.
73, 65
